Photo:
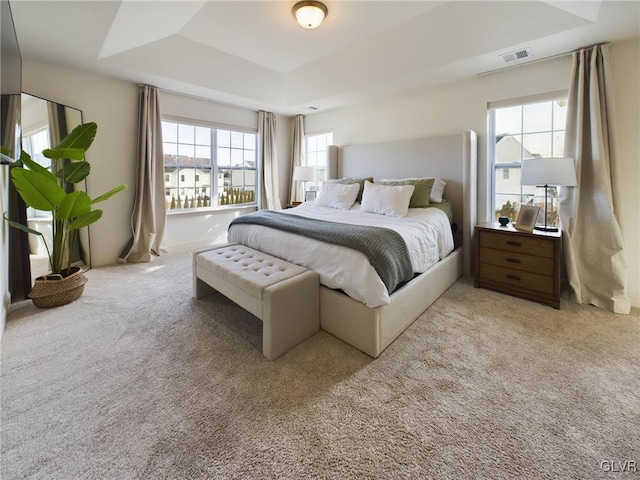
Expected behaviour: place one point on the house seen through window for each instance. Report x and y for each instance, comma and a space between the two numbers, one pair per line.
207, 166
522, 131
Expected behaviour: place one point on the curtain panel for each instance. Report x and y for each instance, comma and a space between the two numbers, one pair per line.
149, 210
297, 194
592, 240
269, 197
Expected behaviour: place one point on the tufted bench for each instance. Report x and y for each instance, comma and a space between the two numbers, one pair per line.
285, 296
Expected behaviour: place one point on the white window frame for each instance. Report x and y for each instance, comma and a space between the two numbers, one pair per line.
317, 185
491, 135
214, 184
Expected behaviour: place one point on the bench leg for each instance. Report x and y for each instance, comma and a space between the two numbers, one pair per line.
201, 288
291, 313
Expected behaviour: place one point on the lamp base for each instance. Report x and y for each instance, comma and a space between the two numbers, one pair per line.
545, 229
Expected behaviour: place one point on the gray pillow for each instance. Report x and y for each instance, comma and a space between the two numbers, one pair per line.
423, 186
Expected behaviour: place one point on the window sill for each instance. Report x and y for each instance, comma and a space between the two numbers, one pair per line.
209, 210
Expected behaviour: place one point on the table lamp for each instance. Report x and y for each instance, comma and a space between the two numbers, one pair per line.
548, 172
304, 174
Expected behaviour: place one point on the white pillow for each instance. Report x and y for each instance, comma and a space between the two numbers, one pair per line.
437, 190
386, 200
338, 195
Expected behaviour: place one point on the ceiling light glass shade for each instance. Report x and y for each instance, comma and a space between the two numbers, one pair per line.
309, 14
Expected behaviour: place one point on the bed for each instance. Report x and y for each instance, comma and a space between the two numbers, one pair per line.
355, 304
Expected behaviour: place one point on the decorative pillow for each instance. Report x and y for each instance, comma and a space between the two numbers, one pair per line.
350, 181
423, 186
437, 191
336, 195
386, 199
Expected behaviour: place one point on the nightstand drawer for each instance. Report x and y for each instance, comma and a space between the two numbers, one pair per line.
531, 281
518, 261
517, 243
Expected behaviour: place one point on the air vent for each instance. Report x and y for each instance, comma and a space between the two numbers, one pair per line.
313, 108
517, 55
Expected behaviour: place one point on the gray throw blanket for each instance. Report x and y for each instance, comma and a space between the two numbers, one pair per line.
385, 248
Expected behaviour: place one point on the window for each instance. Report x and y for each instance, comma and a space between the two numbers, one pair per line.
526, 130
316, 156
207, 166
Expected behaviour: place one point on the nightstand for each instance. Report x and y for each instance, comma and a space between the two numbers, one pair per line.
519, 263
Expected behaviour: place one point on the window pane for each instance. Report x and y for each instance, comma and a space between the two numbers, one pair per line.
224, 157
249, 141
250, 158
312, 143
186, 133
203, 136
236, 139
224, 138
169, 149
185, 150
537, 117
508, 120
560, 114
508, 149
537, 145
169, 132
236, 157
203, 153
558, 144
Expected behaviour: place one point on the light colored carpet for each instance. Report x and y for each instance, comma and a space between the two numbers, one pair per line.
138, 380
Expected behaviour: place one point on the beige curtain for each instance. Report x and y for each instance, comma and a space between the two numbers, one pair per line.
269, 197
297, 195
149, 209
592, 240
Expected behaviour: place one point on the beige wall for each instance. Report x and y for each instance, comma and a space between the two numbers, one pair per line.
113, 105
463, 106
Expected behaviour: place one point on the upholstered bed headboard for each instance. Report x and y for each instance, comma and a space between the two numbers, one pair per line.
453, 158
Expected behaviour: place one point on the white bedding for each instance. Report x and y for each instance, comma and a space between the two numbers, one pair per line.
426, 231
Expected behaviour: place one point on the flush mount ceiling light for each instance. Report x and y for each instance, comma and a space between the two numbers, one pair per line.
310, 14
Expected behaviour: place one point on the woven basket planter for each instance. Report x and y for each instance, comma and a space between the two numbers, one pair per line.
54, 290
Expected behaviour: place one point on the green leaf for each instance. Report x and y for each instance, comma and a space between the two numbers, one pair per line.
57, 153
74, 205
84, 220
80, 138
22, 227
37, 190
25, 158
74, 172
109, 194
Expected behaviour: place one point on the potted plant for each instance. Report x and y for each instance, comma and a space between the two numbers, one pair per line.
43, 189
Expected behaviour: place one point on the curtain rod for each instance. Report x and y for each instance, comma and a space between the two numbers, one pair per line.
560, 55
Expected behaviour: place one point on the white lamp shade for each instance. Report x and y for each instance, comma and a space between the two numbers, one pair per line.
304, 174
309, 14
548, 171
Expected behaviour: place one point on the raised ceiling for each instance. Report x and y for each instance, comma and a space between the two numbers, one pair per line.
253, 53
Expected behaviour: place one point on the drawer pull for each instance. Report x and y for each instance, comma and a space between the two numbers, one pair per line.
514, 244
513, 277
512, 260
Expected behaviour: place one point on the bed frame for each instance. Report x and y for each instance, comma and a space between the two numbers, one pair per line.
452, 158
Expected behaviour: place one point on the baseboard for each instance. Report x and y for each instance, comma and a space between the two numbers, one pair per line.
635, 301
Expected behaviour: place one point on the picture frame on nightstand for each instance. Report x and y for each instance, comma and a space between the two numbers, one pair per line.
527, 217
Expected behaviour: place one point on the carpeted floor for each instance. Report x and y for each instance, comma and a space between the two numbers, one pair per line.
138, 380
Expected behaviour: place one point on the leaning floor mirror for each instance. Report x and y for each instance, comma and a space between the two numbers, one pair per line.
44, 125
